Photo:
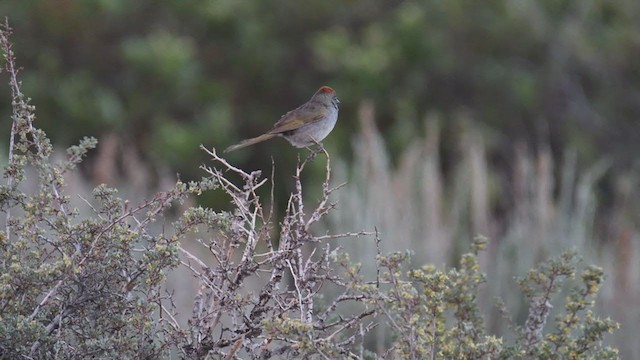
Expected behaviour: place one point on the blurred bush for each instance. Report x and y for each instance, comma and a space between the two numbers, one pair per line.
169, 75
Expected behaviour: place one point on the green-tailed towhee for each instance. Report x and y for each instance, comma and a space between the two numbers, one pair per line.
304, 126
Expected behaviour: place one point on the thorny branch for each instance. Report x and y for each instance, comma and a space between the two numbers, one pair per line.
227, 323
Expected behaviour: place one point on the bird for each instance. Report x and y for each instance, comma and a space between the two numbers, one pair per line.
307, 125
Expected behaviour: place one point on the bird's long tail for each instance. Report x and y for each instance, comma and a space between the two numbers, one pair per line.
249, 142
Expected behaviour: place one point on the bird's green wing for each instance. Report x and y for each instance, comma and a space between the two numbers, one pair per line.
295, 119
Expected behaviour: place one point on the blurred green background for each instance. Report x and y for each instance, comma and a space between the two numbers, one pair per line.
154, 79
166, 76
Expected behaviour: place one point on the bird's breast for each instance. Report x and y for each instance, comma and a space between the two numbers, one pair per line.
309, 134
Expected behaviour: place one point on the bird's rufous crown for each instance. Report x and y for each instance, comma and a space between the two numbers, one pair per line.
327, 90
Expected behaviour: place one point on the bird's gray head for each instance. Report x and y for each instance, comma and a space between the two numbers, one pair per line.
328, 95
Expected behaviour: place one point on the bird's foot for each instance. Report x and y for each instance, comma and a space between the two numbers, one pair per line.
319, 149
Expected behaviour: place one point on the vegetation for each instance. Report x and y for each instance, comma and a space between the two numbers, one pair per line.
78, 284
166, 75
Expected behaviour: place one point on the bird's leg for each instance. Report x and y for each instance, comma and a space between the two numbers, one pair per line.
315, 152
321, 148
324, 150
312, 153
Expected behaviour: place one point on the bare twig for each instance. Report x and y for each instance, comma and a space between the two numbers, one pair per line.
309, 270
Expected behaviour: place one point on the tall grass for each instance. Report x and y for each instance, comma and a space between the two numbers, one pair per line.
545, 210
